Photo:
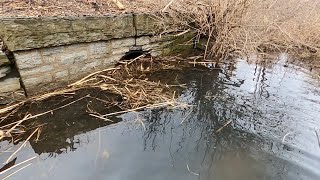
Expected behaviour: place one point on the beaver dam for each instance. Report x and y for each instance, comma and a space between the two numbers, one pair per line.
165, 119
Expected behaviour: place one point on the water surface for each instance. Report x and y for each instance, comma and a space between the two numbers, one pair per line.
269, 114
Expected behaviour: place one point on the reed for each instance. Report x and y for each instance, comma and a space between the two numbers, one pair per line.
245, 27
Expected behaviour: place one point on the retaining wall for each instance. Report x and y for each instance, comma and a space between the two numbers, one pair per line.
51, 52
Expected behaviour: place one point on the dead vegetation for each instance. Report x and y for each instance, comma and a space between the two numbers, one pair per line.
245, 27
129, 80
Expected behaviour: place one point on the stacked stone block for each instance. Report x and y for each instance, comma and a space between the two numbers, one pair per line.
46, 68
8, 82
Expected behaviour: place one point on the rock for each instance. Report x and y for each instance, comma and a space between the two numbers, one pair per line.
145, 24
10, 97
21, 33
4, 71
3, 59
9, 85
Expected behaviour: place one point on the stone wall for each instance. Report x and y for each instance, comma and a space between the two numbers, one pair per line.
48, 68
52, 52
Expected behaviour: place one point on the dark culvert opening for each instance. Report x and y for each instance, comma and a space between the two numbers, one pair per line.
133, 54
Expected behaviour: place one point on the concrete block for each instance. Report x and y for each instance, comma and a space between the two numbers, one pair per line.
9, 85
27, 59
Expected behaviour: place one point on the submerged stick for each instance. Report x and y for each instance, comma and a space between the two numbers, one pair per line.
16, 171
317, 137
139, 108
191, 171
226, 124
17, 165
101, 117
50, 111
23, 144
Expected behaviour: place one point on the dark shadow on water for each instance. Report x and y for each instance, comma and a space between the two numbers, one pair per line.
59, 127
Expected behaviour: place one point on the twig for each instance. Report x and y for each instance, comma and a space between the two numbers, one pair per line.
284, 137
23, 144
191, 171
317, 137
16, 171
226, 124
101, 117
50, 111
141, 122
186, 117
182, 33
92, 74
17, 165
139, 108
119, 4
166, 7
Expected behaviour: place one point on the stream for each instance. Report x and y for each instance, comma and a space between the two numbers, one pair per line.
244, 122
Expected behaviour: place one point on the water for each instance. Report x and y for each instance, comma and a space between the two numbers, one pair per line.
269, 114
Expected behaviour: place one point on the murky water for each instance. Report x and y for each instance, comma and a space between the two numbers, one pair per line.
246, 123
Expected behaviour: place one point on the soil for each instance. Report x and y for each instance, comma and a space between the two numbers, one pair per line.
38, 8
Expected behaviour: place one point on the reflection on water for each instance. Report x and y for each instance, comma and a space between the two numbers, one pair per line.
269, 116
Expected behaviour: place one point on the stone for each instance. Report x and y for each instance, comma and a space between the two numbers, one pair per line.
36, 82
87, 68
53, 51
61, 74
146, 24
111, 61
4, 70
23, 33
148, 47
4, 59
120, 51
99, 48
118, 43
36, 71
11, 97
142, 40
9, 85
74, 57
27, 59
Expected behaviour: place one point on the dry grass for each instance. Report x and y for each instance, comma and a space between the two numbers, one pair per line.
244, 27
129, 80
